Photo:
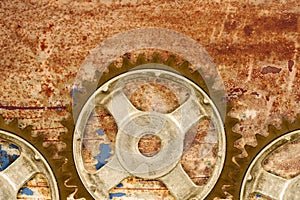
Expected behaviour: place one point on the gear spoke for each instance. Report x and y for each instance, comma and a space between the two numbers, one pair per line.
179, 183
110, 174
120, 107
269, 184
20, 171
187, 114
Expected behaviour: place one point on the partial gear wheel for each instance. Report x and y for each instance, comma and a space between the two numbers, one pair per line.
238, 174
28, 164
279, 183
56, 171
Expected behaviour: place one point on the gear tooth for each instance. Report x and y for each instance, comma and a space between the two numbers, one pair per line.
156, 58
71, 178
184, 65
171, 61
295, 124
126, 63
141, 59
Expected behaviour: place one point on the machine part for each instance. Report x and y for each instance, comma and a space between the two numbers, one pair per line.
268, 184
177, 64
98, 67
133, 124
59, 167
29, 163
230, 182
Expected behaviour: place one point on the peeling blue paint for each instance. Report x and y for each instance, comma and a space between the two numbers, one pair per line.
26, 191
72, 94
258, 195
6, 159
112, 195
100, 131
120, 185
12, 146
103, 155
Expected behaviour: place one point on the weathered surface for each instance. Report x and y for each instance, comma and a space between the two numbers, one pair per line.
44, 43
254, 43
285, 161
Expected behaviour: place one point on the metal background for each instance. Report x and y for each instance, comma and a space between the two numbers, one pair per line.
254, 43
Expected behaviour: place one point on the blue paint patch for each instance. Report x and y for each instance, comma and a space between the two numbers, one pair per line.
14, 157
100, 131
112, 195
6, 159
258, 195
12, 146
120, 185
72, 94
26, 191
103, 155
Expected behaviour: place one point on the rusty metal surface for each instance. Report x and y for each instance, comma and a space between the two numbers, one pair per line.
255, 45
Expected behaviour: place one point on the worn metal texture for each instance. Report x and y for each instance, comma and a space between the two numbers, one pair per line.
255, 45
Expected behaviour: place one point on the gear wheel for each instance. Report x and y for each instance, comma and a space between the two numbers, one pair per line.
26, 164
237, 169
60, 173
269, 176
184, 68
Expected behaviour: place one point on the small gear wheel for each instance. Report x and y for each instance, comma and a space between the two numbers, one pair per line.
52, 175
275, 171
270, 168
21, 167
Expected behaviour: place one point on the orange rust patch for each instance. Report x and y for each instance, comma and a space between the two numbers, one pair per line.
270, 69
149, 145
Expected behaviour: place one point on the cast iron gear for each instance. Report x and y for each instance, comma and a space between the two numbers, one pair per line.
183, 69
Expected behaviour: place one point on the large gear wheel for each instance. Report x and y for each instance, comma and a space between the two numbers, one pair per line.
134, 124
97, 191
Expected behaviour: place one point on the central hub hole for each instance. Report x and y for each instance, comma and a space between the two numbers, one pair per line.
149, 145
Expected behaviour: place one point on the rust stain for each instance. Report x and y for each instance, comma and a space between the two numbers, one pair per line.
270, 69
290, 65
242, 37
